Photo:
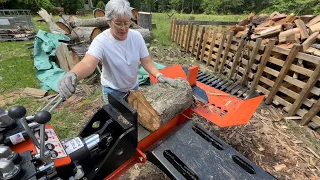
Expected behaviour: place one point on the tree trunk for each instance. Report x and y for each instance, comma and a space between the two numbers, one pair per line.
146, 34
54, 28
100, 22
159, 103
84, 34
145, 20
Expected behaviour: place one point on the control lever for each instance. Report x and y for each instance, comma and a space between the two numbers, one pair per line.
42, 117
18, 112
30, 118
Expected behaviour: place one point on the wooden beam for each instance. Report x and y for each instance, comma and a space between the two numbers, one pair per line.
311, 113
205, 40
215, 68
177, 33
237, 57
212, 44
263, 63
313, 21
195, 39
303, 29
200, 42
226, 50
308, 42
172, 28
180, 34
305, 91
189, 37
283, 72
251, 61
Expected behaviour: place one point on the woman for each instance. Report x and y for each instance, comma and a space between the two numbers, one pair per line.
120, 50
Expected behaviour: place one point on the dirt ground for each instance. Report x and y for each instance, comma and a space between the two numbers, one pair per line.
283, 148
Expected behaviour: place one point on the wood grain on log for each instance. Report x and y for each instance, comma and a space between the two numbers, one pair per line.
66, 59
64, 26
98, 13
313, 21
84, 34
159, 103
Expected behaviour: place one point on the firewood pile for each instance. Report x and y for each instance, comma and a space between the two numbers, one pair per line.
287, 30
19, 34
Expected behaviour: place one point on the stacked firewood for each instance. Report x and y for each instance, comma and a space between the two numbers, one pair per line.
287, 30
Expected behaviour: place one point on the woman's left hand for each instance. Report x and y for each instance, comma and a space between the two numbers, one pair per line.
170, 81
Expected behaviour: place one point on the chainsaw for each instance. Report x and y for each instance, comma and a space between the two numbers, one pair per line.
112, 141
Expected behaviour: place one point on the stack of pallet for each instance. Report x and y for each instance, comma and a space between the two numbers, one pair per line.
287, 30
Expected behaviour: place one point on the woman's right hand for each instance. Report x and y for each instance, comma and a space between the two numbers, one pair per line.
67, 85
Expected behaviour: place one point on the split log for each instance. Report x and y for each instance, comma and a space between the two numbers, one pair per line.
54, 28
100, 22
313, 21
303, 29
307, 43
315, 28
288, 26
290, 18
135, 26
306, 18
159, 103
266, 24
271, 29
278, 17
66, 59
236, 29
146, 34
260, 19
283, 35
313, 51
145, 20
84, 34
98, 13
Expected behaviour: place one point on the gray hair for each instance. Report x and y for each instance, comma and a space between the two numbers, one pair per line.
117, 8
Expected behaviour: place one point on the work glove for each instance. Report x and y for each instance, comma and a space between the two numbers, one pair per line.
67, 84
170, 81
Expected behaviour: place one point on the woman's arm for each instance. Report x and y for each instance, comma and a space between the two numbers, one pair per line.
149, 66
85, 67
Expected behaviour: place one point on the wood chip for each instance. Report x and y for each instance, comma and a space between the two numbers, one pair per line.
292, 118
314, 153
261, 148
34, 92
279, 167
297, 142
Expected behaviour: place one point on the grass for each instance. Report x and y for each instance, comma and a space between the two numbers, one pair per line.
17, 72
163, 24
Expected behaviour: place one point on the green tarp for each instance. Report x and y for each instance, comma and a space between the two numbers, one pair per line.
44, 53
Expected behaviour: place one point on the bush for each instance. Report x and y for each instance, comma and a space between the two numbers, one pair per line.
101, 5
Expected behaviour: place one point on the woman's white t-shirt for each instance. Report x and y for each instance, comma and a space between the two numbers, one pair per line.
120, 59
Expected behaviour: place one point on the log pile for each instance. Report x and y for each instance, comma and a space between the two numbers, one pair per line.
16, 34
287, 30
